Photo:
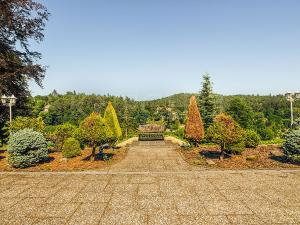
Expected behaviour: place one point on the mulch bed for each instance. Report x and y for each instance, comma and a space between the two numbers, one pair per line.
262, 157
79, 163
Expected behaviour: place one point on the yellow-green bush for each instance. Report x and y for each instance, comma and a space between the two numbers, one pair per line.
71, 148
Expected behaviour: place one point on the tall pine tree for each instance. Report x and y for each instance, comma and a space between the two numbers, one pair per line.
194, 130
207, 101
112, 121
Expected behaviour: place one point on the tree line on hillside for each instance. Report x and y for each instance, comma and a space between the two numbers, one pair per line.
269, 116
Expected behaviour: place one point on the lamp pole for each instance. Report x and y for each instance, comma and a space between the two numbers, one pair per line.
291, 97
10, 102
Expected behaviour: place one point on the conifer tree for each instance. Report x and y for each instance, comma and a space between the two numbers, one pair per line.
112, 121
194, 130
207, 101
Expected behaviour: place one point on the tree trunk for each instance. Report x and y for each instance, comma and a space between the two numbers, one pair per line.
93, 153
222, 155
222, 152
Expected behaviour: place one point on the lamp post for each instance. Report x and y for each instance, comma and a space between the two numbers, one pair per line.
10, 102
291, 97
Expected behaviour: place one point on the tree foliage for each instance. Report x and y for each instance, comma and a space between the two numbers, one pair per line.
207, 101
194, 129
226, 132
111, 119
21, 22
95, 131
241, 112
20, 123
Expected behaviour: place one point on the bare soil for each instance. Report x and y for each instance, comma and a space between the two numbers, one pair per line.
82, 162
262, 157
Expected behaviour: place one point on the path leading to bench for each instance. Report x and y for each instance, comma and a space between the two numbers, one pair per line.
152, 156
152, 185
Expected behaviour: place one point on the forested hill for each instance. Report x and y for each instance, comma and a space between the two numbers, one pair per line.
269, 115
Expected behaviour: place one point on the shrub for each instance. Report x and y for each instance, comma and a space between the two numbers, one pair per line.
27, 148
227, 133
291, 145
20, 123
266, 133
252, 139
236, 148
194, 128
71, 148
60, 133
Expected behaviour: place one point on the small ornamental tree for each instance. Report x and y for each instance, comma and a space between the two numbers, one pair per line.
225, 132
194, 129
111, 119
95, 132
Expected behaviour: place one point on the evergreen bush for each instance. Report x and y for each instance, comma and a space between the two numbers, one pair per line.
27, 148
252, 139
71, 148
291, 145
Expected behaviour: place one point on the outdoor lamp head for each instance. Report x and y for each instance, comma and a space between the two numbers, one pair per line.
297, 95
3, 99
13, 99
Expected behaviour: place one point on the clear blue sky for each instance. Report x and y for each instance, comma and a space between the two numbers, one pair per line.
152, 48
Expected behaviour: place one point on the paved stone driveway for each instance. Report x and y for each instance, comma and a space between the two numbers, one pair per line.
168, 192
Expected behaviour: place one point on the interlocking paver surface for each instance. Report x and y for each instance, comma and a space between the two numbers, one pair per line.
152, 185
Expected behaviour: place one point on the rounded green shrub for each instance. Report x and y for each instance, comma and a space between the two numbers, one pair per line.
291, 145
252, 139
236, 148
27, 148
71, 148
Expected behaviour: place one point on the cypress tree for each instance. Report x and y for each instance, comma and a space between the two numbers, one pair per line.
194, 130
112, 121
207, 101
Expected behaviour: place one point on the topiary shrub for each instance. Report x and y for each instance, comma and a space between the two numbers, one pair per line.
291, 145
71, 148
27, 148
252, 139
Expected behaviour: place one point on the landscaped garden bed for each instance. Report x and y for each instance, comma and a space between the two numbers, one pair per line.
56, 162
262, 157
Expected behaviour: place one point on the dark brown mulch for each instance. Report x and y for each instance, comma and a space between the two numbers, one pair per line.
82, 162
262, 157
